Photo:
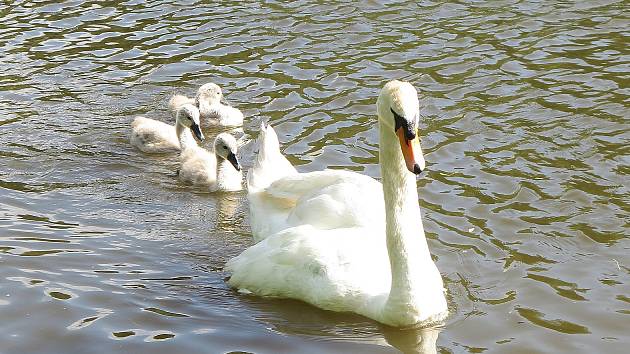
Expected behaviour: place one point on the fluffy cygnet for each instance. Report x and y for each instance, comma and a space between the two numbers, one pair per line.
209, 100
152, 136
219, 170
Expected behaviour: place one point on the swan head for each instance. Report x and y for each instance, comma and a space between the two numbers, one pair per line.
399, 112
209, 93
188, 116
225, 146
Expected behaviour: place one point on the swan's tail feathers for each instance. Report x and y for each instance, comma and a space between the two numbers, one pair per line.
177, 101
269, 165
137, 121
140, 121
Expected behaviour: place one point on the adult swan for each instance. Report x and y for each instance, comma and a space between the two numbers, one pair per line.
340, 240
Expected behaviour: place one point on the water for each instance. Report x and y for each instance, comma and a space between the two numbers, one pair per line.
525, 202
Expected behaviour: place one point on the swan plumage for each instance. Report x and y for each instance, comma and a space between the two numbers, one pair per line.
219, 169
340, 240
270, 164
179, 100
210, 101
152, 136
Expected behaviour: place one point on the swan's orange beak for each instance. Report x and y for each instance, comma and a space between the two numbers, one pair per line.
411, 151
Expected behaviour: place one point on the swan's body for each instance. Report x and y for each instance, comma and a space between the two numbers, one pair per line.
219, 170
209, 101
152, 136
179, 100
340, 240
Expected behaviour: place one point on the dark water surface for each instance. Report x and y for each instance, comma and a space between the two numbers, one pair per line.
525, 111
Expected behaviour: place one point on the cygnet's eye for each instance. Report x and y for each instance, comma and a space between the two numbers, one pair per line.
225, 147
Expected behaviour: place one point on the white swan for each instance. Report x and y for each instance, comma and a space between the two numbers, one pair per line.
209, 101
340, 240
220, 170
152, 136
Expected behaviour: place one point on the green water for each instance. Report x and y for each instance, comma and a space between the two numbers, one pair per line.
524, 126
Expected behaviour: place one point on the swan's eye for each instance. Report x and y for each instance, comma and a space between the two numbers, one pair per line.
401, 122
225, 147
396, 115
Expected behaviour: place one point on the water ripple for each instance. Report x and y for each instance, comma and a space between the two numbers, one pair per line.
524, 125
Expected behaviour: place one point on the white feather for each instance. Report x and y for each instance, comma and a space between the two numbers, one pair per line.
212, 110
152, 136
201, 167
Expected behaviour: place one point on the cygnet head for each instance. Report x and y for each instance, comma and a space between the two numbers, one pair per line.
209, 93
399, 112
188, 116
225, 146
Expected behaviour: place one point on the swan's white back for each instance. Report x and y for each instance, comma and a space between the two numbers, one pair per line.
223, 115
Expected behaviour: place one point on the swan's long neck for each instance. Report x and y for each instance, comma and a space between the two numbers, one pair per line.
413, 271
184, 135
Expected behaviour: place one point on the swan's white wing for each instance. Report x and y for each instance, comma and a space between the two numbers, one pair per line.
325, 200
300, 184
281, 198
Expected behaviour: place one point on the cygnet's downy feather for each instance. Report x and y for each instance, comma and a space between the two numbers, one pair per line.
212, 106
155, 137
220, 169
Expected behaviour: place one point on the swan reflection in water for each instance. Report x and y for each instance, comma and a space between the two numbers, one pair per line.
414, 340
294, 317
226, 211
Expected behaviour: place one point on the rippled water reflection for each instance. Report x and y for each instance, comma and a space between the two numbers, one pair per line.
525, 108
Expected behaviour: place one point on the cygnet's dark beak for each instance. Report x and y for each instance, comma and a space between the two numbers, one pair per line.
234, 161
197, 131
